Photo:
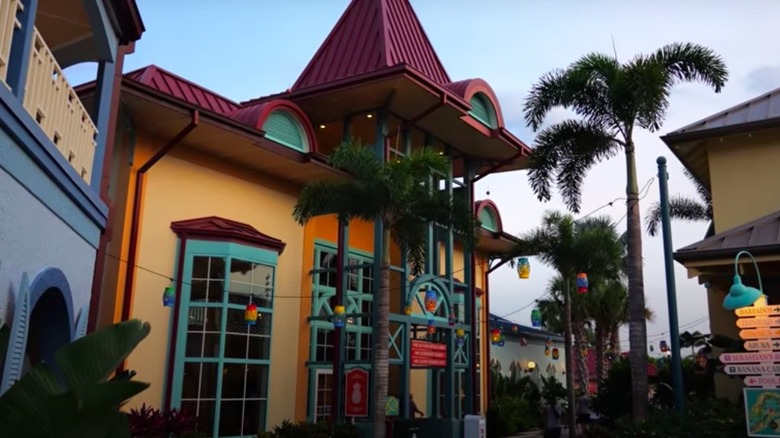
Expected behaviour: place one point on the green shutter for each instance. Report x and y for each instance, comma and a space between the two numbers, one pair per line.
283, 128
488, 220
482, 110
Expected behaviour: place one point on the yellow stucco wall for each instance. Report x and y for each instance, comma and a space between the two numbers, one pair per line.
744, 174
186, 185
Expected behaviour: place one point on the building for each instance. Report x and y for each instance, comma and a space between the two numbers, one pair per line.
527, 351
732, 153
52, 150
203, 190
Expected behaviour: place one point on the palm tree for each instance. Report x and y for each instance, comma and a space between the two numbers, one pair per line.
612, 100
591, 245
683, 207
395, 194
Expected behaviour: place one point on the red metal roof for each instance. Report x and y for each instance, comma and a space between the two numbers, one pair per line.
218, 227
373, 35
176, 86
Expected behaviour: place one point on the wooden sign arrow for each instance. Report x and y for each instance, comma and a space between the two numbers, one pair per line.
763, 357
751, 369
762, 380
761, 345
758, 322
758, 311
759, 333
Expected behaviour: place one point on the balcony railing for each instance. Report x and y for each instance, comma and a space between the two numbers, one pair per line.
48, 97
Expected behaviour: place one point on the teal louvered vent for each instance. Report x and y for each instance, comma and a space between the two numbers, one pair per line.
283, 128
482, 110
17, 342
488, 219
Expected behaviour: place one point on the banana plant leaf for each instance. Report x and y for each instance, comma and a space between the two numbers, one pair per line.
85, 404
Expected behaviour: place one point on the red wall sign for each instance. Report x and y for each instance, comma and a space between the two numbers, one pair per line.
428, 354
356, 393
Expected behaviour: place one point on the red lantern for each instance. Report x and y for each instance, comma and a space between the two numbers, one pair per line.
250, 314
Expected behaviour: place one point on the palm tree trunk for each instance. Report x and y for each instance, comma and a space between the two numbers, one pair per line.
569, 355
614, 340
637, 328
381, 340
582, 363
601, 339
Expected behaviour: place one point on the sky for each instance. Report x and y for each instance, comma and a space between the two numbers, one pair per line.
254, 48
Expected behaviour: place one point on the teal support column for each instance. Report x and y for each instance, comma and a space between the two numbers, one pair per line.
340, 333
21, 46
471, 375
671, 292
449, 376
101, 115
379, 149
406, 346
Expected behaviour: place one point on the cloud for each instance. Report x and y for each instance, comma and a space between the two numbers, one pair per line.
763, 79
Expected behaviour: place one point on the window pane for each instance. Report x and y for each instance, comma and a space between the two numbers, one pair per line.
237, 324
201, 344
204, 412
207, 291
200, 381
208, 268
251, 279
241, 381
204, 319
239, 418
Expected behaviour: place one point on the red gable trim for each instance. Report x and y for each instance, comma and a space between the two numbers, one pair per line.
217, 228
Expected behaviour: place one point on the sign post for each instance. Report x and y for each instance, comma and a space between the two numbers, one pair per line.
760, 328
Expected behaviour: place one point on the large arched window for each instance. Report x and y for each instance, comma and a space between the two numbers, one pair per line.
284, 128
483, 111
488, 218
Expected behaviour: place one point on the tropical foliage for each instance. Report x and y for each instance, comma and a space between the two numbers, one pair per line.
400, 195
682, 207
612, 100
74, 396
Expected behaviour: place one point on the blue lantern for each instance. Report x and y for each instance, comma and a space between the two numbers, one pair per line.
430, 300
536, 318
582, 283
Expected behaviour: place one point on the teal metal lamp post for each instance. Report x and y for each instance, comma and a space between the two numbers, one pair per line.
740, 295
671, 292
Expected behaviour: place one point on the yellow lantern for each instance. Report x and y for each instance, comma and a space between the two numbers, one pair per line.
523, 268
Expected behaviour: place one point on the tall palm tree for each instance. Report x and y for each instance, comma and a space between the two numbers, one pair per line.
612, 100
590, 245
683, 207
393, 193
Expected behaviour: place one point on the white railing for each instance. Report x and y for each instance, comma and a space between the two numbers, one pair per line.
8, 23
54, 105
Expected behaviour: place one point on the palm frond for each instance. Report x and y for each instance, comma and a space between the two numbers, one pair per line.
701, 189
549, 92
646, 88
356, 159
680, 207
565, 152
688, 62
344, 198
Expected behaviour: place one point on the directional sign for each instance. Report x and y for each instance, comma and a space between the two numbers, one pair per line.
759, 333
761, 345
763, 357
758, 322
758, 311
752, 369
762, 380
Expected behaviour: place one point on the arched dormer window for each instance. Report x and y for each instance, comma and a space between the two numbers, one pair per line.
482, 110
488, 218
284, 128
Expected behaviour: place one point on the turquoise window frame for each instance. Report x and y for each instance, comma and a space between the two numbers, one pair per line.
353, 298
482, 110
302, 146
227, 251
489, 219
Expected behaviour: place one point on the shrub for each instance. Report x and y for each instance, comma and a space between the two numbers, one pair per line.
304, 429
713, 418
148, 422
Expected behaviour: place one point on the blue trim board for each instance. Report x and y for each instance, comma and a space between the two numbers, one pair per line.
41, 155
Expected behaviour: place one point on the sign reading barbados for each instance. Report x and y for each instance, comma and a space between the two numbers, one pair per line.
762, 412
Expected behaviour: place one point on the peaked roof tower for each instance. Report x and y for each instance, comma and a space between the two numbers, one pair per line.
373, 35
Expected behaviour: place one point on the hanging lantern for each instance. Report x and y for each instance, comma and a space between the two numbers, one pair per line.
584, 352
408, 310
548, 343
338, 316
523, 342
546, 351
169, 296
664, 347
460, 336
536, 318
250, 314
523, 268
431, 327
582, 283
451, 319
496, 337
430, 300
514, 329
555, 354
